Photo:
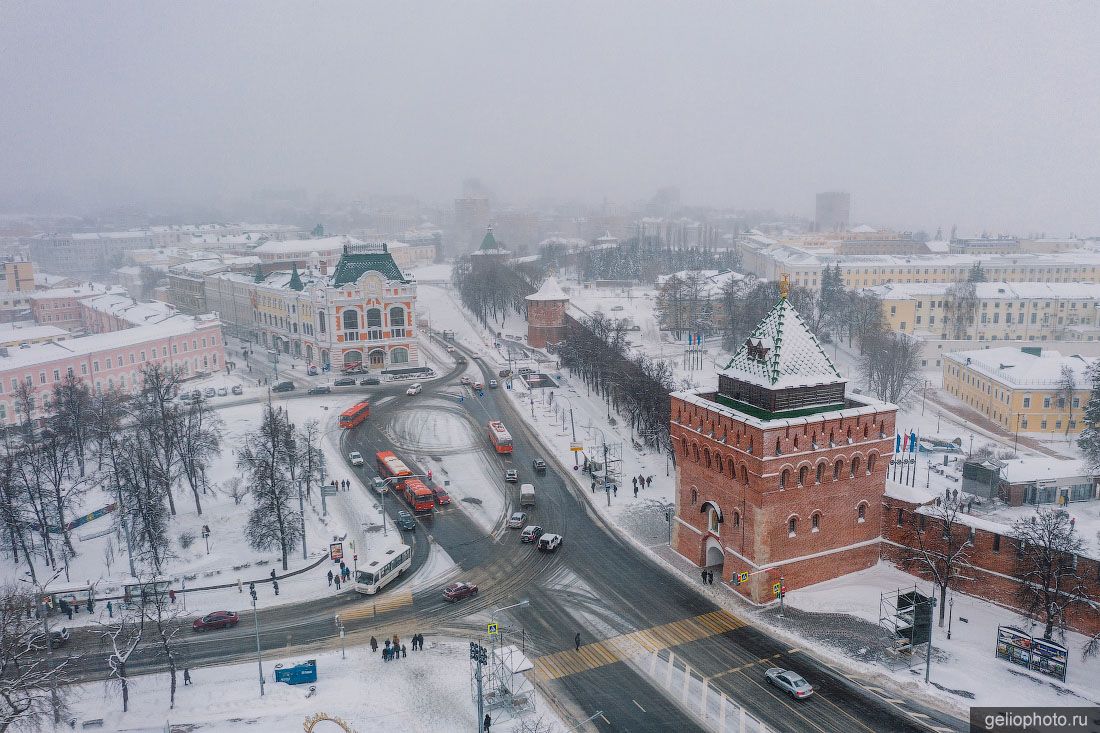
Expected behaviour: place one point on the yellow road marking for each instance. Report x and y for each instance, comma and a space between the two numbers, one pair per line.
386, 603
617, 648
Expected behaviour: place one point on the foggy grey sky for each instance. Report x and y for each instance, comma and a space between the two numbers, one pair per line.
987, 116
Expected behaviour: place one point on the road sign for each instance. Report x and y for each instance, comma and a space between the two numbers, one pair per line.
336, 551
777, 589
493, 630
576, 447
742, 578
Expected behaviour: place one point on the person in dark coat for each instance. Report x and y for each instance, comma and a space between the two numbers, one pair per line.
337, 582
635, 491
330, 577
487, 722
275, 586
703, 574
373, 645
403, 654
648, 481
273, 573
186, 677
577, 641
110, 610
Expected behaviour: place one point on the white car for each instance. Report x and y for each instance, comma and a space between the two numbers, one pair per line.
790, 682
450, 349
550, 542
356, 458
517, 520
414, 390
466, 380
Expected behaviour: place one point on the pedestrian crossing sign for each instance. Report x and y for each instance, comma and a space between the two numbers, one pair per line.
493, 629
742, 578
777, 589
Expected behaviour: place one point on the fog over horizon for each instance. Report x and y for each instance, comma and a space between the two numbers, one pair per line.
979, 115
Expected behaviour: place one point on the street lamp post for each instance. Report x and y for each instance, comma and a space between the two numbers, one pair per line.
302, 512
40, 606
256, 627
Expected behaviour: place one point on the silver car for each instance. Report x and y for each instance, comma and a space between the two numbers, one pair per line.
517, 520
790, 682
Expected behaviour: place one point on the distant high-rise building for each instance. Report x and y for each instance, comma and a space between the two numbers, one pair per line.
471, 220
833, 211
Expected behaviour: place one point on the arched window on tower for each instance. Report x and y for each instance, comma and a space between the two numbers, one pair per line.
803, 474
784, 478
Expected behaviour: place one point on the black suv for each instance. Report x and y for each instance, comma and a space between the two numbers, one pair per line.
344, 382
283, 387
369, 382
319, 390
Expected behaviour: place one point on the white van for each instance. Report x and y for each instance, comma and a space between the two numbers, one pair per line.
526, 495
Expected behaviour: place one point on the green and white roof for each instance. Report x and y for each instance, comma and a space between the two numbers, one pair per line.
782, 353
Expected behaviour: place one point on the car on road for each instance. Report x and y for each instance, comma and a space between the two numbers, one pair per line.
414, 390
524, 371
405, 521
283, 387
466, 380
378, 485
539, 465
216, 620
517, 520
458, 591
504, 373
479, 385
550, 542
790, 682
370, 382
237, 389
324, 389
196, 395
223, 391
511, 475
356, 458
186, 397
57, 639
450, 349
530, 533
209, 392
344, 382
442, 498
493, 384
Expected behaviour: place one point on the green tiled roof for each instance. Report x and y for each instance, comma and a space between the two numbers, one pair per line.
353, 266
489, 242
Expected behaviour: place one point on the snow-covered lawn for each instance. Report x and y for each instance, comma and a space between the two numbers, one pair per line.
428, 692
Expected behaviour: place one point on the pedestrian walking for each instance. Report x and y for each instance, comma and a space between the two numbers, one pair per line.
337, 582
91, 604
577, 641
387, 644
171, 596
396, 640
615, 489
373, 645
275, 586
240, 588
487, 722
635, 480
330, 577
593, 487
273, 573
403, 654
635, 491
710, 577
641, 477
648, 481
386, 654
703, 574
186, 677
110, 610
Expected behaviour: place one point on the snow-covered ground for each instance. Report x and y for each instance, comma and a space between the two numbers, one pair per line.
429, 692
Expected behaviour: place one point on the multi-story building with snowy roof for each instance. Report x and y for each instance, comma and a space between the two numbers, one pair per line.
780, 472
361, 314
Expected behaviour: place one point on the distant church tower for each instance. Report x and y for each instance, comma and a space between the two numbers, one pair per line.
780, 473
546, 314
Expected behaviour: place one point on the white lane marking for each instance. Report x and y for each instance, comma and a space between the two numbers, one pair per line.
605, 719
639, 706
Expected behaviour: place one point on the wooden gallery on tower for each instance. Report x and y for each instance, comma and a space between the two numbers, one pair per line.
780, 473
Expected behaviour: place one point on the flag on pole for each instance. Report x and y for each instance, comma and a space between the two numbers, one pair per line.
897, 443
912, 442
905, 442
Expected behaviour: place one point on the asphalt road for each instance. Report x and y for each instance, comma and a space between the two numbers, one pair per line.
656, 654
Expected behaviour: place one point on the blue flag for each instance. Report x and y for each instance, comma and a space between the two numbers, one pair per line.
912, 442
897, 443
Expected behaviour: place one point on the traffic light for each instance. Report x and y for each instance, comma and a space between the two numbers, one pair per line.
478, 653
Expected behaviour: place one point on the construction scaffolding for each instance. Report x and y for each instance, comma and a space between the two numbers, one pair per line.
906, 615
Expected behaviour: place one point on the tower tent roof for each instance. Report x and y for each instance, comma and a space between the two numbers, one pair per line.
550, 290
782, 353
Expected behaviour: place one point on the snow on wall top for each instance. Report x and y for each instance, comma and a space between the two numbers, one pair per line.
782, 353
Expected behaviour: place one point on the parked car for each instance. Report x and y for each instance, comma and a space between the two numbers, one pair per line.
216, 620
479, 385
344, 382
370, 382
530, 533
790, 682
196, 395
405, 521
504, 373
283, 387
466, 380
524, 371
539, 465
442, 498
223, 391
511, 475
550, 542
414, 390
517, 520
356, 458
458, 591
209, 392
237, 389
492, 384
324, 389
378, 485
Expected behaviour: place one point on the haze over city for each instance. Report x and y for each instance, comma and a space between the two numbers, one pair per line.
931, 114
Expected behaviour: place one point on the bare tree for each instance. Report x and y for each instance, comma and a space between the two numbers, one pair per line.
73, 415
890, 365
236, 488
274, 521
311, 459
163, 615
939, 546
136, 473
1047, 547
159, 416
1066, 389
123, 639
31, 689
961, 308
200, 433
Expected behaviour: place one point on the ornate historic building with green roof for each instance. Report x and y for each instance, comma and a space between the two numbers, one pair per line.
780, 473
359, 317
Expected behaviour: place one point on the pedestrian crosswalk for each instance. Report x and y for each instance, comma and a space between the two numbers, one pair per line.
386, 603
618, 648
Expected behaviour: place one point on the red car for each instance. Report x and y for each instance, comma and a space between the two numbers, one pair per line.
441, 496
458, 591
216, 620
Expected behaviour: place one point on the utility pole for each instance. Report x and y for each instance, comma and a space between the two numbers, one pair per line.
43, 610
928, 651
256, 627
478, 654
302, 512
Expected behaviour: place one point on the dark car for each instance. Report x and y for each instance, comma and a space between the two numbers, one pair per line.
458, 591
405, 520
344, 382
216, 620
370, 382
539, 465
283, 387
504, 373
319, 390
441, 496
57, 639
530, 533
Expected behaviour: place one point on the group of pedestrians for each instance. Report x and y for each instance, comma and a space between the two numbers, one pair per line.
394, 649
342, 575
708, 577
341, 485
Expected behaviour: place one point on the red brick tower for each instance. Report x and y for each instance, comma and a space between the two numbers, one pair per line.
780, 474
546, 314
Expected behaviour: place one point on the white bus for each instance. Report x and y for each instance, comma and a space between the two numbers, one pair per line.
382, 567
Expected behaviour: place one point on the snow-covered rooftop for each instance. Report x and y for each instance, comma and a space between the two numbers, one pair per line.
139, 313
80, 291
14, 332
550, 290
1042, 468
319, 245
993, 290
1013, 366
